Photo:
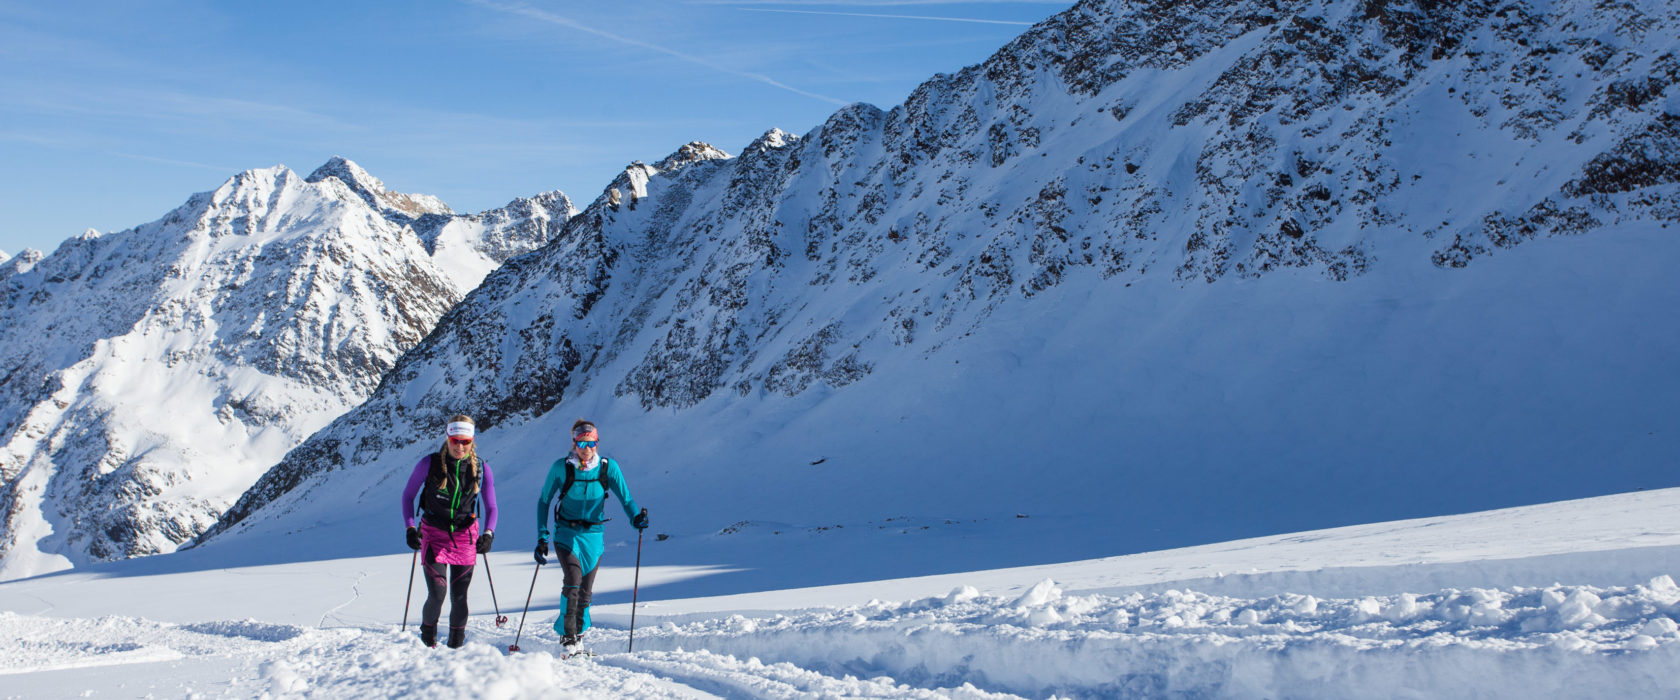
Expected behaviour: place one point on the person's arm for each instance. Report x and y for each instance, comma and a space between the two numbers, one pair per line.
488, 494
556, 474
415, 481
615, 481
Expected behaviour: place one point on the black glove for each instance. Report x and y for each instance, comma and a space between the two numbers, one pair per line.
413, 539
542, 552
640, 521
484, 542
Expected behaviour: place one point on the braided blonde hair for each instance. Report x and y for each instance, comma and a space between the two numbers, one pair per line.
472, 453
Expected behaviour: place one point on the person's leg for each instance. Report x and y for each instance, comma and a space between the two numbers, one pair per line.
578, 598
460, 579
585, 591
436, 589
570, 589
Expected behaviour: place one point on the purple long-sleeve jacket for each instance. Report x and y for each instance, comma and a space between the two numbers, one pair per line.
486, 487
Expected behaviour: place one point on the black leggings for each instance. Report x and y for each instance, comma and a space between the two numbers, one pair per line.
577, 589
458, 579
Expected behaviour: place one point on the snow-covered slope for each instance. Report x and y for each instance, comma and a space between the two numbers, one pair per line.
1154, 274
152, 374
1570, 599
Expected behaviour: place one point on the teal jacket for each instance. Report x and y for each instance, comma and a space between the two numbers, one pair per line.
585, 502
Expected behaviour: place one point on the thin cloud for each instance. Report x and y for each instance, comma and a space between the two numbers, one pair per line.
224, 169
571, 24
870, 14
169, 106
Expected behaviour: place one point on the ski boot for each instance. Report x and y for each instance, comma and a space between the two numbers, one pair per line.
428, 635
457, 637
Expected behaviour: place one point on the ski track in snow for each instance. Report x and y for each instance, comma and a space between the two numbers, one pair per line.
1518, 641
355, 595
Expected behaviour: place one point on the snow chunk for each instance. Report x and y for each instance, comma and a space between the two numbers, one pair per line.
1307, 605
1579, 611
1403, 608
961, 594
248, 629
1660, 627
1043, 617
1569, 642
1043, 593
1368, 608
1120, 618
1664, 590
283, 677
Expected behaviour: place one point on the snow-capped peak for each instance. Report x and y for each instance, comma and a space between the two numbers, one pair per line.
4, 256
691, 152
250, 189
23, 261
372, 189
348, 171
774, 138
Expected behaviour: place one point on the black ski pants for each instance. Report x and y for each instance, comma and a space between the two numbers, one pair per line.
441, 578
577, 588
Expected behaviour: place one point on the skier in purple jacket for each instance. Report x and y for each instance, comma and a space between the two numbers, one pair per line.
450, 485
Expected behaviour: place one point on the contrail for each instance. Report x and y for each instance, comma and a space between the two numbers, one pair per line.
869, 14
571, 24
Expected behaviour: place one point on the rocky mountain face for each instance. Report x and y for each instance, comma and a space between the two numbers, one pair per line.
152, 374
1196, 144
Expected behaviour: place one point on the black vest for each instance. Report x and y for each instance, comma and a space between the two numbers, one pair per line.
449, 501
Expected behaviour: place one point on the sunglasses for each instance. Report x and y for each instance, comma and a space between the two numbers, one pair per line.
460, 441
586, 444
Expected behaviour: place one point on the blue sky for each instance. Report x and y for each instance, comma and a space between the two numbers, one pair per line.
113, 113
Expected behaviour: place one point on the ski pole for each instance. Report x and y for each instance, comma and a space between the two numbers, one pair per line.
500, 618
410, 597
515, 645
634, 587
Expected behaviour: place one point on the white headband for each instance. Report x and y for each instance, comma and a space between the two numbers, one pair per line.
460, 429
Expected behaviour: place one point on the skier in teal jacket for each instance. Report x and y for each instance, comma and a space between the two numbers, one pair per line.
577, 487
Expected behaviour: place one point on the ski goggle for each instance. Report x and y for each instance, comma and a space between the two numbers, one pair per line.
460, 441
586, 444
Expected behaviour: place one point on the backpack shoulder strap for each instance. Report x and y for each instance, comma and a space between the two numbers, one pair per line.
571, 476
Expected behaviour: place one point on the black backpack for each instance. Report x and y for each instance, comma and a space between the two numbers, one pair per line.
566, 487
436, 511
